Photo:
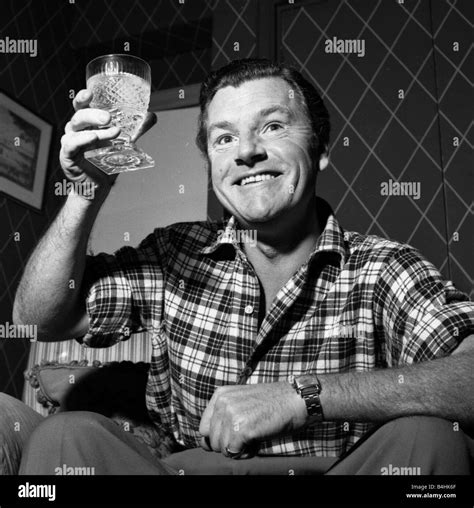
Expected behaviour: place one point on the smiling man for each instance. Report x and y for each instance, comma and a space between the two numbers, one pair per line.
312, 349
264, 173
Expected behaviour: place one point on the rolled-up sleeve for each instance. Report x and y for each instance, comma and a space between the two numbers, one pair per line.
120, 290
422, 315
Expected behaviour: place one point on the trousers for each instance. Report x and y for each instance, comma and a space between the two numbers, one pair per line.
425, 445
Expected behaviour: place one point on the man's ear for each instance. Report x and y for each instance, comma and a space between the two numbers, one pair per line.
324, 159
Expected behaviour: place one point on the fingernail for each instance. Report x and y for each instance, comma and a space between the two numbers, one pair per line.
104, 117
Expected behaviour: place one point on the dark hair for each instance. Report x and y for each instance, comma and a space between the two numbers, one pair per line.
239, 71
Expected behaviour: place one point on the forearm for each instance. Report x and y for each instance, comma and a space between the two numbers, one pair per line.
442, 387
49, 291
241, 414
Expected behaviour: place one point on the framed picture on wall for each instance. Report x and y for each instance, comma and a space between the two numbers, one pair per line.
24, 148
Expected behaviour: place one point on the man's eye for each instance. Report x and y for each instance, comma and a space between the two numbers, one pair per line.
274, 126
227, 138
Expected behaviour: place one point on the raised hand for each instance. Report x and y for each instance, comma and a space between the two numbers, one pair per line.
88, 130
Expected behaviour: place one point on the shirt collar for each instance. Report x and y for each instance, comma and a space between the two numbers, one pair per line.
330, 240
226, 236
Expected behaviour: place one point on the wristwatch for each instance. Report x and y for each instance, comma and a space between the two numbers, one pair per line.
309, 388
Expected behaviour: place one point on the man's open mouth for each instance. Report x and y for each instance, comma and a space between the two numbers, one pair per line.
261, 177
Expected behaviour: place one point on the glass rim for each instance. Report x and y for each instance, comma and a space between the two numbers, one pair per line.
110, 55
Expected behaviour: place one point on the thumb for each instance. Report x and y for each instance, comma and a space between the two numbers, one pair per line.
148, 123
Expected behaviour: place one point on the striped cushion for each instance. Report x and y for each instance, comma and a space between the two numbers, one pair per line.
137, 349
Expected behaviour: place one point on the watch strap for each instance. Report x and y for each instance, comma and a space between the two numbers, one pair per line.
309, 388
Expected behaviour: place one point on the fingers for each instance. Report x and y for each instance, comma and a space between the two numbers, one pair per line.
73, 142
234, 446
148, 123
205, 424
82, 99
208, 426
246, 452
221, 440
87, 118
216, 436
219, 426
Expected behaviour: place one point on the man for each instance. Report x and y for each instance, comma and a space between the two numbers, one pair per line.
313, 348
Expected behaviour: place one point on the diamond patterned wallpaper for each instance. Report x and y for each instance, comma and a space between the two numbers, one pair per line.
384, 115
396, 111
452, 24
41, 84
175, 37
235, 30
419, 136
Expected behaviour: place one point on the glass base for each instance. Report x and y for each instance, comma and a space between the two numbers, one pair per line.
119, 158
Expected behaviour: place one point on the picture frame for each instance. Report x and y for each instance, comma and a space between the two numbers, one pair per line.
25, 141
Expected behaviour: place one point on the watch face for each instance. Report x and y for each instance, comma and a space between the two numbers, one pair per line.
307, 380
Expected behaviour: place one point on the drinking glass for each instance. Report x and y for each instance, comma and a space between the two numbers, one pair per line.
121, 85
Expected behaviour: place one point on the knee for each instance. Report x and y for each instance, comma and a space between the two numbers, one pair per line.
8, 414
9, 406
6, 400
431, 425
17, 421
69, 425
438, 432
78, 419
17, 417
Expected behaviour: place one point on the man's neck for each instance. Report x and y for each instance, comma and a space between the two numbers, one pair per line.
287, 243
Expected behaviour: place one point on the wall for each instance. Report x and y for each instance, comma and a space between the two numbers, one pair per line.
41, 84
174, 37
175, 190
452, 26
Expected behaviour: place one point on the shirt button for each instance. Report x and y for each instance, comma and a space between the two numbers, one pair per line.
247, 371
248, 309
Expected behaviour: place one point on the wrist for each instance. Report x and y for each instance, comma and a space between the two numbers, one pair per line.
297, 404
87, 193
90, 189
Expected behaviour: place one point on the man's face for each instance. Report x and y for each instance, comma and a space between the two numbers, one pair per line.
259, 150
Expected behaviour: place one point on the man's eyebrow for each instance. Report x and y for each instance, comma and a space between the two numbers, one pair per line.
262, 113
276, 109
219, 125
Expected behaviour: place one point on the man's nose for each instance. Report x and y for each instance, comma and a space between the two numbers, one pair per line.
250, 151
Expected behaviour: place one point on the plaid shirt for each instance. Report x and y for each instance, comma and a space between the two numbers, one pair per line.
359, 303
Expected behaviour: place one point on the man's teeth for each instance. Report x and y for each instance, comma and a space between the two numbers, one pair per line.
257, 178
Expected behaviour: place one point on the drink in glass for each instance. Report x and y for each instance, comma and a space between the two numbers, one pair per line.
121, 85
